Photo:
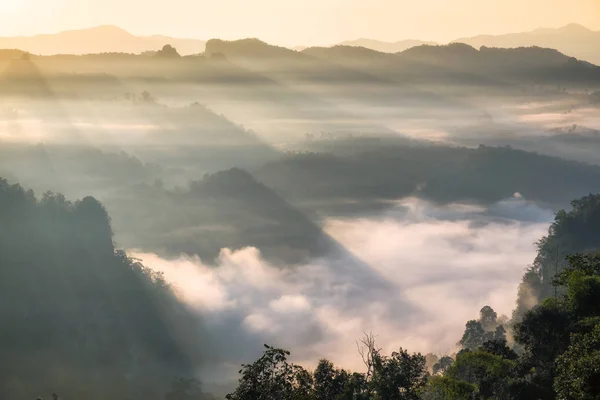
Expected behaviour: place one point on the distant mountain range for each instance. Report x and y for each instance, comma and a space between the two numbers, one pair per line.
386, 47
101, 39
342, 71
573, 40
456, 62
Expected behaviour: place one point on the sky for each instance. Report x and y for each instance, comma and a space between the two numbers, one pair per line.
293, 22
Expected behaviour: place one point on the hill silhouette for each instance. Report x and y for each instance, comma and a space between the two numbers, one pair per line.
226, 209
100, 39
459, 62
99, 322
573, 40
385, 47
440, 173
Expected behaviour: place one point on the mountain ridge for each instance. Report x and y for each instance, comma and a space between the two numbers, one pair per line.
572, 39
98, 39
384, 46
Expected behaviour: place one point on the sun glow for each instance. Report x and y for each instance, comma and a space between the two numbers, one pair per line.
12, 5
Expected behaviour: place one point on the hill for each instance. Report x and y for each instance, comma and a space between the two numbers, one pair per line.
573, 40
101, 39
573, 231
459, 62
228, 209
372, 175
386, 47
96, 323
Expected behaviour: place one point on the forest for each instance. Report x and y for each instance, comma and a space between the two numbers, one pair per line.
549, 351
73, 302
231, 218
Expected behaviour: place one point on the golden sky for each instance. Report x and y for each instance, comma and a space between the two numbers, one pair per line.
298, 22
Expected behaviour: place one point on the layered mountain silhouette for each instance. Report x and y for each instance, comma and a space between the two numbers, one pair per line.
101, 39
461, 62
573, 40
227, 209
453, 61
442, 174
386, 47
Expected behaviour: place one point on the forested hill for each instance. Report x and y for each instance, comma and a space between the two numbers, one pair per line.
441, 173
574, 231
79, 318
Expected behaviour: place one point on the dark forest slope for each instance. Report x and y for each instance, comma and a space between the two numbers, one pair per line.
79, 318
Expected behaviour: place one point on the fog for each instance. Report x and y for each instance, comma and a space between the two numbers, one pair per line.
298, 199
438, 266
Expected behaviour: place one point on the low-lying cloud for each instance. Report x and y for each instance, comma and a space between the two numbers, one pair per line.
428, 270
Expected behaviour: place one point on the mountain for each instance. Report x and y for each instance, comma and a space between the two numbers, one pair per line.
461, 63
573, 40
250, 47
385, 47
107, 325
227, 209
442, 174
101, 39
574, 230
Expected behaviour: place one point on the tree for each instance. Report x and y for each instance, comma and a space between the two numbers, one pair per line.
399, 377
103, 321
271, 377
146, 97
488, 318
582, 281
329, 382
544, 332
578, 368
499, 348
498, 334
442, 365
446, 388
491, 374
369, 352
167, 51
473, 336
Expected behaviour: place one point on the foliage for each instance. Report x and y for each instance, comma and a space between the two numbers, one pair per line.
447, 388
578, 368
400, 376
98, 322
572, 232
473, 336
442, 365
271, 377
488, 318
488, 372
499, 348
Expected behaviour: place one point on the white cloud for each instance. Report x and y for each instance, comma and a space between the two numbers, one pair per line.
426, 271
287, 303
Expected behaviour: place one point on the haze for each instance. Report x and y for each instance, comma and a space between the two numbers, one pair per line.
182, 187
294, 23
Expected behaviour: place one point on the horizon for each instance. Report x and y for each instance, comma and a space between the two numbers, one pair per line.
292, 46
331, 22
350, 199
